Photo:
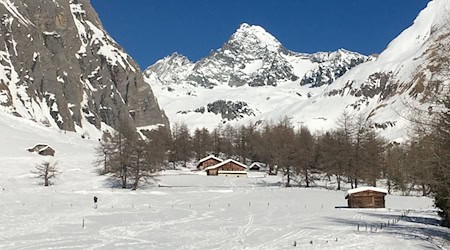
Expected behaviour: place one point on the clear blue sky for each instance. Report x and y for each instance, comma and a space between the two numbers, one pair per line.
152, 29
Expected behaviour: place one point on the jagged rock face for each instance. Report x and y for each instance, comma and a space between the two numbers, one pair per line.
253, 57
59, 67
228, 110
174, 69
332, 65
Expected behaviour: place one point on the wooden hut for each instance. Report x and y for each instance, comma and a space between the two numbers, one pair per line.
228, 168
366, 197
258, 166
208, 161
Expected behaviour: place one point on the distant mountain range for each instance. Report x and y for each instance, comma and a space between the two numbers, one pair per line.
252, 78
60, 68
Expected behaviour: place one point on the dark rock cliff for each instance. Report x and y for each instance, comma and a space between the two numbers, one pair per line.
59, 66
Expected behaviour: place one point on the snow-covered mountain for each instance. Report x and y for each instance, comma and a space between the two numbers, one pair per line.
253, 57
253, 78
60, 68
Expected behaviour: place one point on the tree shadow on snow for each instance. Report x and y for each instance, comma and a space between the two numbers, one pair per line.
262, 183
423, 228
415, 219
114, 182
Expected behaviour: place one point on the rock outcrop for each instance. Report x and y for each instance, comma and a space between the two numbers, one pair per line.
59, 67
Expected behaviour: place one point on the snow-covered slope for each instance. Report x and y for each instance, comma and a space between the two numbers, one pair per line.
250, 77
413, 71
194, 212
253, 78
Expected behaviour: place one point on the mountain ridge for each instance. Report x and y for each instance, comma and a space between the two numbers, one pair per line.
312, 92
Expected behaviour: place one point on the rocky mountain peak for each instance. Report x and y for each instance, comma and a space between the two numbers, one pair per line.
171, 69
331, 66
253, 37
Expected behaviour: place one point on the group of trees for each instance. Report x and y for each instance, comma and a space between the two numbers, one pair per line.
130, 157
425, 159
423, 162
351, 153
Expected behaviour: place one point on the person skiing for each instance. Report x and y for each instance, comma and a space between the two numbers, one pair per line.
95, 201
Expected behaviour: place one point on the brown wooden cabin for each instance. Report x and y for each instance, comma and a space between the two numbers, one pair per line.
228, 167
208, 161
366, 197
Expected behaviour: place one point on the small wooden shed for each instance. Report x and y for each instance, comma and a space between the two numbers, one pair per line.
42, 149
208, 161
258, 166
229, 167
366, 197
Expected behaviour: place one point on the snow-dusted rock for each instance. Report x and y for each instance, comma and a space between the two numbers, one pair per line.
60, 67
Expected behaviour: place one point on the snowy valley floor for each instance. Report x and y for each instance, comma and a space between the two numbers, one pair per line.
239, 217
187, 211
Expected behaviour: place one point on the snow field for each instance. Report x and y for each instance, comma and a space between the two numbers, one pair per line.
187, 211
252, 217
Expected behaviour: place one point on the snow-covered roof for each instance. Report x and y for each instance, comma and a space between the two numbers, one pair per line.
209, 157
259, 164
225, 162
361, 189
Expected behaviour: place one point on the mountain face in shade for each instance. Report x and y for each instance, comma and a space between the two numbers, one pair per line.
59, 67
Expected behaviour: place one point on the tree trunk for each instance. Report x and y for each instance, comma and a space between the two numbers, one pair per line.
389, 186
104, 163
424, 190
46, 175
135, 183
288, 184
307, 177
124, 176
338, 180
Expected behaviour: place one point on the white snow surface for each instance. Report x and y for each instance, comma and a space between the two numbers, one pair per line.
182, 209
